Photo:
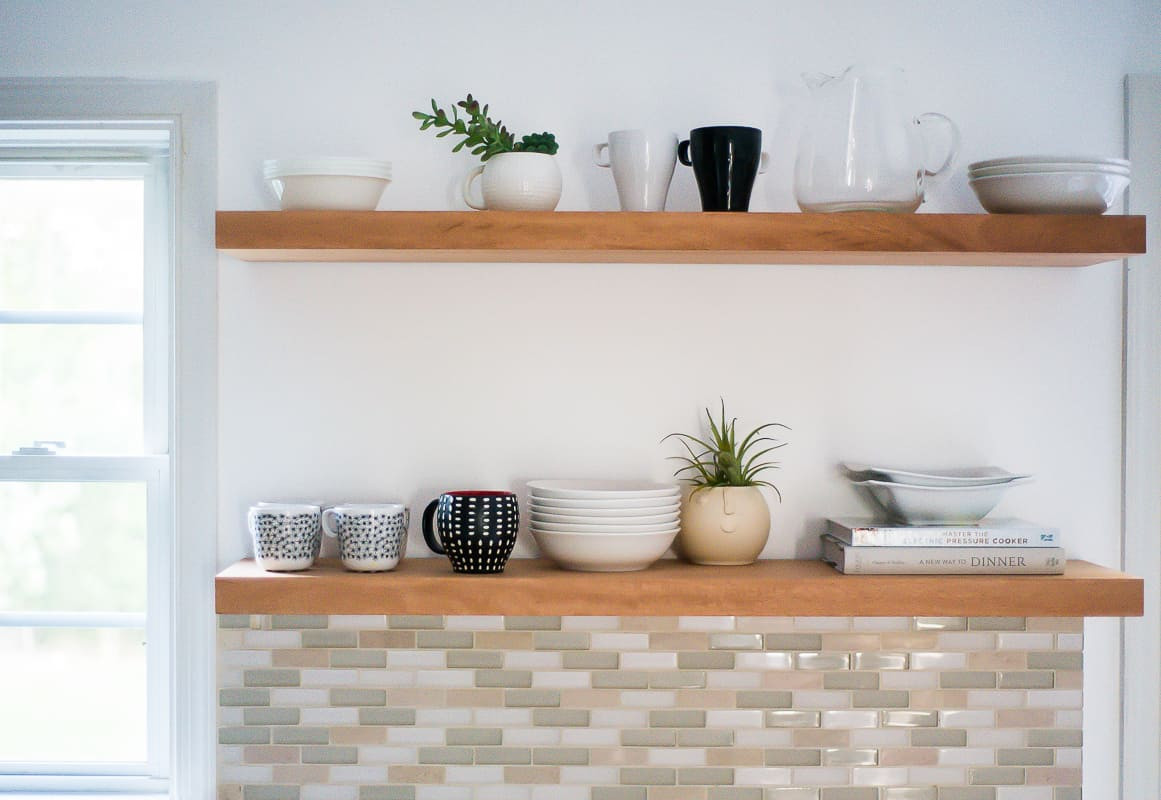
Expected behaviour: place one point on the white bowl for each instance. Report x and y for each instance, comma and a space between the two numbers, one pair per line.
1049, 159
581, 527
595, 552
1050, 192
602, 490
327, 184
1016, 169
963, 476
565, 519
617, 503
937, 505
599, 514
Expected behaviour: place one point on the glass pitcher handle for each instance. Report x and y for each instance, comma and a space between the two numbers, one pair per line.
953, 141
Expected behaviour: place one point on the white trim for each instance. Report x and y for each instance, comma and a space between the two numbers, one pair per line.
72, 619
1141, 676
192, 109
71, 318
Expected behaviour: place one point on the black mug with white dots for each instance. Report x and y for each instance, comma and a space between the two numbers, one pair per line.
476, 530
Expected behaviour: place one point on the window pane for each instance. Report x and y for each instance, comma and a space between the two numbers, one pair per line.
72, 694
71, 244
81, 384
71, 547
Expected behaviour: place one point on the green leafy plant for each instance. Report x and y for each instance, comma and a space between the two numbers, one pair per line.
723, 460
483, 135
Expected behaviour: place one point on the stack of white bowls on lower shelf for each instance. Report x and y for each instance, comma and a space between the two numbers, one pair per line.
1039, 184
604, 526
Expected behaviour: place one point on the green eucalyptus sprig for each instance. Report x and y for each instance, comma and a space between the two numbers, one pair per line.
483, 135
723, 460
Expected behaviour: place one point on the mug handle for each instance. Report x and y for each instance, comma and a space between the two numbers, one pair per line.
467, 188
763, 162
601, 162
430, 535
328, 516
953, 143
683, 152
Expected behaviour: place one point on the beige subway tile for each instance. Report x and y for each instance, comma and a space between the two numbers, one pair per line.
293, 734
271, 716
590, 659
764, 699
470, 737
1053, 776
1041, 679
733, 679
504, 755
241, 621
503, 640
444, 640
329, 638
705, 698
908, 680
386, 716
648, 776
323, 754
270, 754
665, 718
883, 698
589, 623
1070, 719
374, 792
908, 793
938, 737
993, 738
946, 776
560, 755
535, 660
793, 757
938, 660
533, 775
1024, 757
1058, 737
359, 735
735, 641
705, 737
792, 719
848, 718
429, 697
764, 624
258, 639
880, 737
967, 793
793, 641
790, 793
735, 757
941, 698
474, 659
618, 793
1024, 718
686, 640
996, 660
908, 757
705, 776
619, 757
518, 623
620, 641
396, 640
301, 773
299, 658
878, 660
705, 660
1069, 680
1056, 624
823, 699
1056, 660
850, 680
620, 679
244, 735
429, 774
446, 755
360, 658
847, 792
526, 698
849, 757
706, 623
1070, 642
1054, 698
1066, 793
649, 737
298, 621
837, 642
940, 623
561, 717
416, 621
807, 737
967, 680
996, 776
919, 640
503, 678
997, 623
1024, 641
676, 679
828, 661
678, 792
649, 624
909, 719
792, 680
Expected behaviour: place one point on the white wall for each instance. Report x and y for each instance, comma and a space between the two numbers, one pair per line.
382, 381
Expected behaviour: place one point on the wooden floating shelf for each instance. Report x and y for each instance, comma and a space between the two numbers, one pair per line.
767, 588
663, 238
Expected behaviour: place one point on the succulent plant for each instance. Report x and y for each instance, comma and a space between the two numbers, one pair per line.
483, 135
723, 460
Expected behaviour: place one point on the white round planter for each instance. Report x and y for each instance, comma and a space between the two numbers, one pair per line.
516, 182
725, 525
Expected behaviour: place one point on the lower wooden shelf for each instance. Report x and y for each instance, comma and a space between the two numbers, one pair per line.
767, 588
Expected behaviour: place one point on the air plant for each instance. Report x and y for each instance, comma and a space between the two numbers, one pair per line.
723, 460
484, 136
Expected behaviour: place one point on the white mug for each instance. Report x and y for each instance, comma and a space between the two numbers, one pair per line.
286, 536
642, 162
372, 536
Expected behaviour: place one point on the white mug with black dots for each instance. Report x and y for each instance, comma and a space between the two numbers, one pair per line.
372, 536
286, 535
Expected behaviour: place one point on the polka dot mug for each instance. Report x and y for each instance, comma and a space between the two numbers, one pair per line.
372, 536
476, 530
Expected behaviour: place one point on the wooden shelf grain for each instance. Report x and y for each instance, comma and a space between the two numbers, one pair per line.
672, 237
767, 588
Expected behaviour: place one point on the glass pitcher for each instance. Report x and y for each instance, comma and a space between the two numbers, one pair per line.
861, 149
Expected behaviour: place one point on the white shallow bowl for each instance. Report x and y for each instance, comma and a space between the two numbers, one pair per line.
566, 519
962, 476
601, 490
937, 505
1049, 159
327, 184
611, 504
539, 507
987, 172
595, 552
581, 527
1050, 192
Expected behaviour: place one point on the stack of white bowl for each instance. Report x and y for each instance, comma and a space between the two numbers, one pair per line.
1040, 184
327, 184
604, 526
961, 496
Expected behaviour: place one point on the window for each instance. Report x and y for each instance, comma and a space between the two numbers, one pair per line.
105, 623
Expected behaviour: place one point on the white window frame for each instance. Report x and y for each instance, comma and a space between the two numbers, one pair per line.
188, 431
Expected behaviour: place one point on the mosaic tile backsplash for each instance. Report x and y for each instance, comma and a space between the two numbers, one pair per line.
649, 708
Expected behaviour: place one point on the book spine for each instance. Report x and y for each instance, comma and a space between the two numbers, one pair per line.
961, 561
940, 537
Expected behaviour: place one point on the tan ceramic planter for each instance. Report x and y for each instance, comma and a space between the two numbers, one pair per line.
725, 525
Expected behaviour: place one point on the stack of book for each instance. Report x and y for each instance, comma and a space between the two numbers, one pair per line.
988, 547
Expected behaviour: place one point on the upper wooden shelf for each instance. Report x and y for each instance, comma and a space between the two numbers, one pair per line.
767, 588
727, 238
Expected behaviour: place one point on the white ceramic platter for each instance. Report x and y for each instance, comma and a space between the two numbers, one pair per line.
937, 505
598, 553
961, 476
565, 519
618, 530
1078, 192
651, 504
1047, 159
601, 490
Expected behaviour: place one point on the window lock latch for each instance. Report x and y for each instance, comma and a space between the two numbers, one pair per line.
40, 447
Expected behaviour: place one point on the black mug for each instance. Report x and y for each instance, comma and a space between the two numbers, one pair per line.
725, 161
476, 530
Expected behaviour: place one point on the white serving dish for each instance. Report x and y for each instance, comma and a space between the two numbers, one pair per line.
589, 552
987, 172
601, 490
539, 507
1049, 159
581, 527
327, 184
1050, 192
566, 519
961, 476
616, 503
937, 505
